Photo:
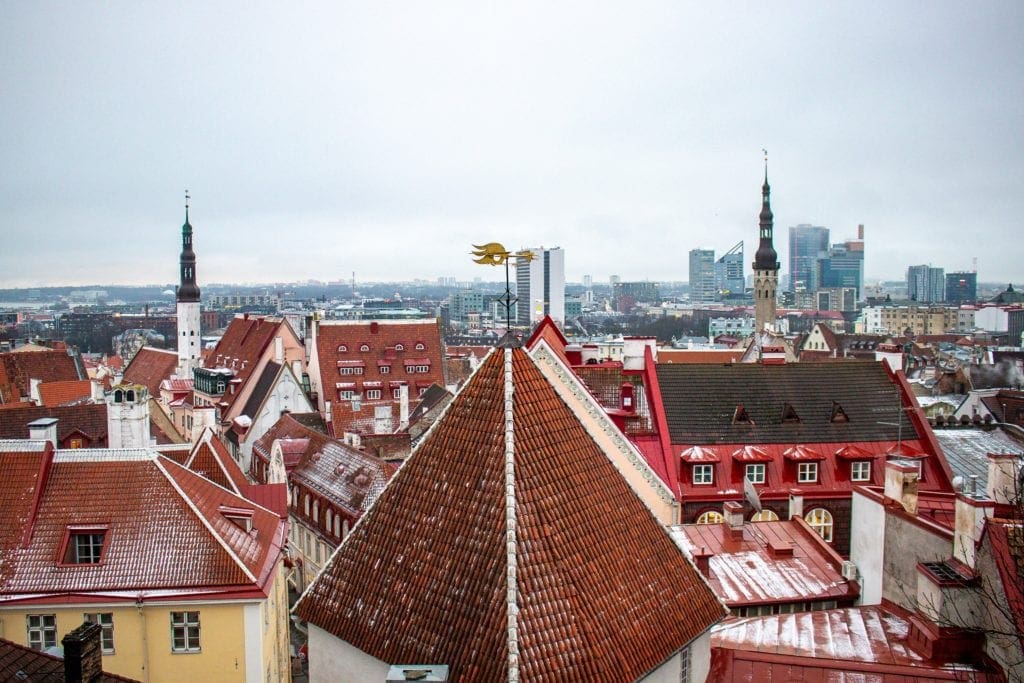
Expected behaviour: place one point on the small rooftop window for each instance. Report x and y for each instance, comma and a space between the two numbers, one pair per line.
84, 545
740, 416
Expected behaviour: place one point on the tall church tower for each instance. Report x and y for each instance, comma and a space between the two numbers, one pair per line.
189, 345
766, 264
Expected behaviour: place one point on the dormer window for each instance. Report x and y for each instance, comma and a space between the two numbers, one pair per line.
364, 348
240, 517
789, 415
399, 347
420, 346
342, 349
740, 416
839, 415
84, 545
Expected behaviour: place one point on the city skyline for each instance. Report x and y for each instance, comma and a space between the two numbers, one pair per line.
387, 140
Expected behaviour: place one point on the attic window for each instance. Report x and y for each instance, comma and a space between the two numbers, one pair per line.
839, 415
740, 416
364, 347
789, 415
240, 517
342, 349
399, 347
84, 545
420, 346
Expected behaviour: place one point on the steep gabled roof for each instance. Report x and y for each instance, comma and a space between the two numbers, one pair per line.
167, 529
508, 489
288, 427
18, 368
151, 366
211, 459
244, 343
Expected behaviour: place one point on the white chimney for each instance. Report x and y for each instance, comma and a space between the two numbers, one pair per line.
732, 514
403, 407
96, 390
33, 391
901, 483
1003, 469
43, 429
382, 419
969, 522
796, 503
278, 350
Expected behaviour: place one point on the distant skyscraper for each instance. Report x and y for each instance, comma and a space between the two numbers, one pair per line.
729, 271
540, 287
808, 244
702, 275
961, 287
843, 266
766, 263
189, 341
926, 284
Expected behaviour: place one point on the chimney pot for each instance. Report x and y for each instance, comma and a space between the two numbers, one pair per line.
83, 654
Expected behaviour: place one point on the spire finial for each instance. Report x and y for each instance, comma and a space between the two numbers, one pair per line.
765, 165
186, 205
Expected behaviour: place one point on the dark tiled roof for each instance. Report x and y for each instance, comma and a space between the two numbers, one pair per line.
603, 593
20, 663
18, 368
264, 385
88, 418
151, 366
701, 402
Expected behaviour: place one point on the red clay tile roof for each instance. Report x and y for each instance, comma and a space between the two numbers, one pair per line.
240, 349
151, 366
88, 419
166, 527
210, 458
699, 355
602, 592
62, 393
287, 427
388, 342
17, 369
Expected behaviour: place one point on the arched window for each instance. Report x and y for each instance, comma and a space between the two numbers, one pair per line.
399, 347
129, 396
337, 526
344, 529
820, 520
328, 520
364, 347
710, 517
305, 504
764, 516
420, 346
316, 511
342, 348
118, 396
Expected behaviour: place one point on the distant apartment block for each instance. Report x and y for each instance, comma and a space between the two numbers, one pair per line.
915, 320
925, 284
244, 300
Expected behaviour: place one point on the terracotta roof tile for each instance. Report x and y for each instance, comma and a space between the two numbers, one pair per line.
20, 663
151, 366
88, 419
17, 369
62, 393
390, 343
603, 593
245, 341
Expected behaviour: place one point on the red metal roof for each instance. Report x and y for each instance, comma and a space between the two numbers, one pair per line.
750, 568
861, 644
603, 594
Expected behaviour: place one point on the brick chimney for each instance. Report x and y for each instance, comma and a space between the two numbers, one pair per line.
83, 654
732, 517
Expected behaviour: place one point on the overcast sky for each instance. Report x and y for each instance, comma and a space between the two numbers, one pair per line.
386, 138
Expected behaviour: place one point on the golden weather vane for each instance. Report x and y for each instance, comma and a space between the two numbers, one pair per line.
495, 254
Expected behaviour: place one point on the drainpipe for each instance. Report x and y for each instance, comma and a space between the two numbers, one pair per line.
145, 640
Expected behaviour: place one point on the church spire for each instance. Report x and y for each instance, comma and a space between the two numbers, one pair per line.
766, 257
188, 290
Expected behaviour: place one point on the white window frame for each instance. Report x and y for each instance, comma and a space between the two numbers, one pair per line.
755, 472
764, 515
106, 622
185, 627
860, 470
384, 369
807, 472
703, 475
41, 630
373, 394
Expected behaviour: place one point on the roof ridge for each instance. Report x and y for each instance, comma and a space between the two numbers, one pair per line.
511, 559
202, 518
